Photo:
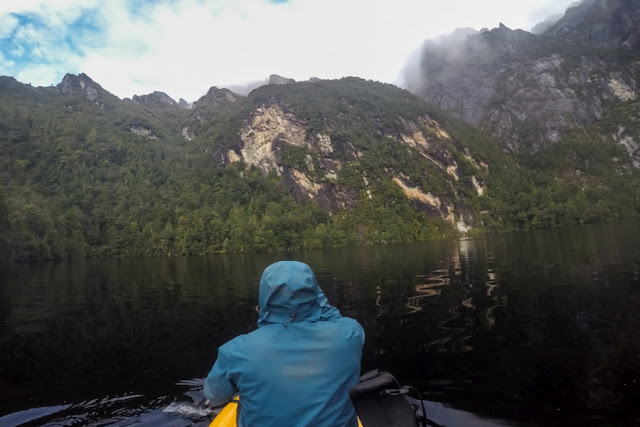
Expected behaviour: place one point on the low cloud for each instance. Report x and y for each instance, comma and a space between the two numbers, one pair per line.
183, 47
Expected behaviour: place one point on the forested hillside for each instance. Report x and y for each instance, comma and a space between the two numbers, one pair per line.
303, 165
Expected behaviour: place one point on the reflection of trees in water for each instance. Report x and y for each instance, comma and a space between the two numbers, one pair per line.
116, 319
487, 317
427, 289
552, 318
475, 296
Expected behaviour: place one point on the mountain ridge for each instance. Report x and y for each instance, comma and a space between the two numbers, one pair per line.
610, 23
528, 91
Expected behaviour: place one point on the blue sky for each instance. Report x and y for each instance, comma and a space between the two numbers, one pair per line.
183, 47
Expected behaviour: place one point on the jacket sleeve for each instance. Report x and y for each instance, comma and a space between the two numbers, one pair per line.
329, 312
219, 387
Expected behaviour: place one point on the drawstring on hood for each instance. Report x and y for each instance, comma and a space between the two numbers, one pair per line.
291, 319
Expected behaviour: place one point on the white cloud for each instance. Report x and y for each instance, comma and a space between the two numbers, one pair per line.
42, 58
36, 39
47, 7
8, 23
545, 8
38, 75
6, 65
185, 47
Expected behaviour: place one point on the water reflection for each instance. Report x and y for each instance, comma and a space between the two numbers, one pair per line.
538, 327
539, 320
487, 317
475, 295
428, 288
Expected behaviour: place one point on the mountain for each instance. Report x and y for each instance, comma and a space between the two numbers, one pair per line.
543, 26
82, 86
529, 91
328, 141
275, 79
604, 23
155, 98
526, 90
184, 104
563, 103
329, 163
302, 165
506, 130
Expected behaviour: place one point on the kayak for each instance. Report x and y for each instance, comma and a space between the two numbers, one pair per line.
374, 398
227, 417
380, 401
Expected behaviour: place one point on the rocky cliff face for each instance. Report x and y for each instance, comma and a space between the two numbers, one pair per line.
275, 79
531, 91
155, 98
269, 132
86, 87
607, 23
273, 133
216, 97
324, 163
184, 104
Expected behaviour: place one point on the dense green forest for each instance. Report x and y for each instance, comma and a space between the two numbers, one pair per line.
75, 181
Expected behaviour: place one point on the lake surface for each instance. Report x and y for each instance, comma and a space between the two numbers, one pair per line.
531, 328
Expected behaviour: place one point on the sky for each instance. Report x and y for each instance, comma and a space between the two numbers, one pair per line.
183, 47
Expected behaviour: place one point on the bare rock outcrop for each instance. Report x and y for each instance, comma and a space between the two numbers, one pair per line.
81, 84
272, 130
604, 23
527, 90
155, 98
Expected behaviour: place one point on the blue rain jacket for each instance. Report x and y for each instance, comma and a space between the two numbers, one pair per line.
297, 368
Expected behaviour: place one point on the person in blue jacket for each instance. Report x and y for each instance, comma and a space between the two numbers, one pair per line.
297, 368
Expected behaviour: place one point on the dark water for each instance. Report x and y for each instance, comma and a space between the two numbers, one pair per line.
533, 328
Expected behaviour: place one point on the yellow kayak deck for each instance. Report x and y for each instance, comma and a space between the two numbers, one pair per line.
227, 417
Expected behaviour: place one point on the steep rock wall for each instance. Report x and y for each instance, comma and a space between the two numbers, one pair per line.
271, 130
528, 91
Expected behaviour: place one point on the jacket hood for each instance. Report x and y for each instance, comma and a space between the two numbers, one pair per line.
288, 293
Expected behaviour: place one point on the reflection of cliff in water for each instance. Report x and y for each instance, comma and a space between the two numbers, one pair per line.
475, 296
428, 289
544, 323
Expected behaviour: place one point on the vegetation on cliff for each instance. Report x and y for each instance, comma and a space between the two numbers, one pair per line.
83, 177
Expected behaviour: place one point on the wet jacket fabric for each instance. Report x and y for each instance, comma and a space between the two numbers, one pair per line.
296, 369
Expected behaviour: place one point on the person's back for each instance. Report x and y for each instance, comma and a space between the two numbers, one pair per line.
297, 368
